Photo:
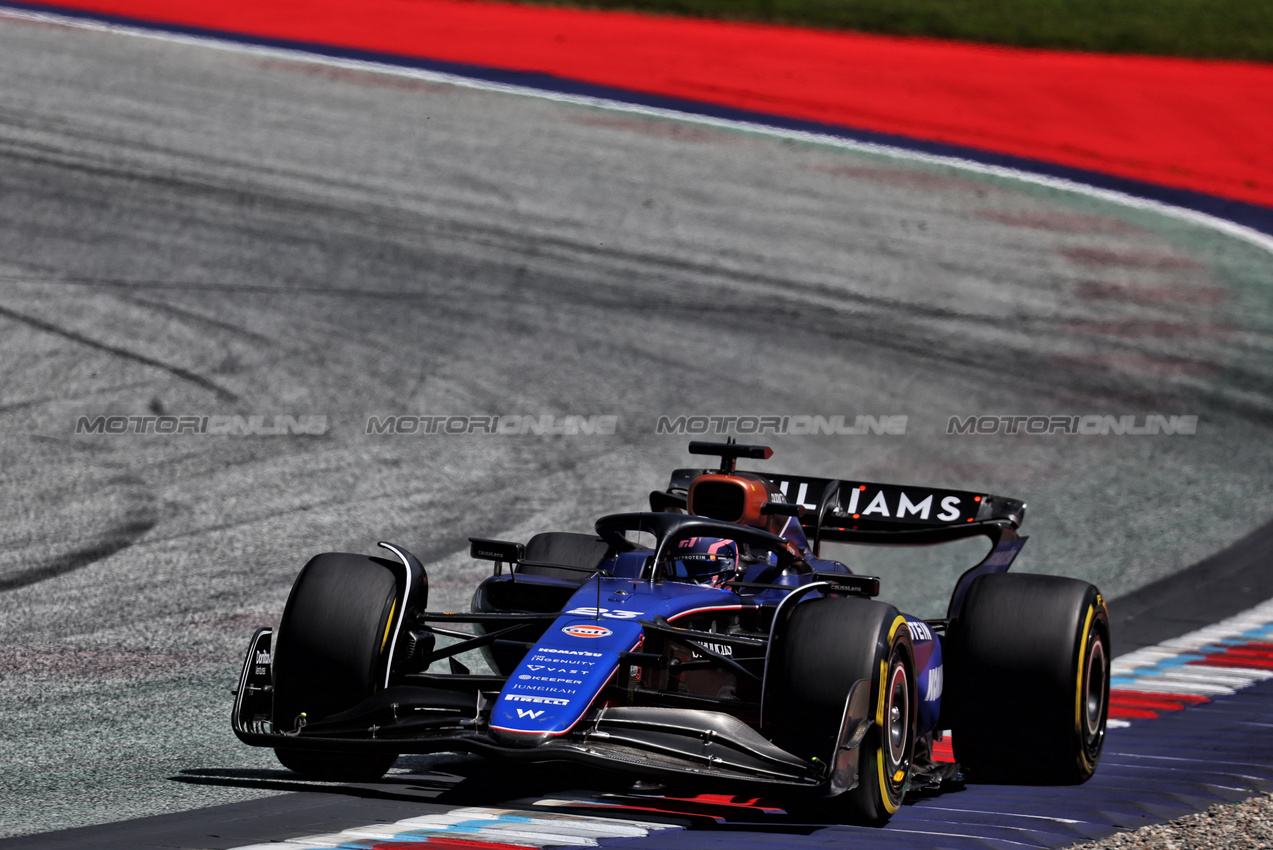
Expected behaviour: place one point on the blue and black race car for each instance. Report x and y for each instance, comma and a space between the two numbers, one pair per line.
703, 642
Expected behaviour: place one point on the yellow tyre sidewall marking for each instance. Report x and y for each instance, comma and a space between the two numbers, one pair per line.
1079, 727
885, 684
389, 625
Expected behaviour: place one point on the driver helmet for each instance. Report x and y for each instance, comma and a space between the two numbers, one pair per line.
705, 560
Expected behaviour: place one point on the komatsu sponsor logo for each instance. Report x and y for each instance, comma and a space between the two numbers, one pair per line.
543, 700
584, 652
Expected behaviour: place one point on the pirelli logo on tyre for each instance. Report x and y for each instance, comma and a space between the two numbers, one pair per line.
587, 631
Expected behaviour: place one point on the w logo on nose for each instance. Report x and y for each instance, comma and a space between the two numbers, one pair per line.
531, 713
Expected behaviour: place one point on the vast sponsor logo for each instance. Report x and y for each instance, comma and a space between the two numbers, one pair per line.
573, 671
587, 631
610, 613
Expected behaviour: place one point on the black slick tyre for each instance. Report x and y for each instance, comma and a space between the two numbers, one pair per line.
827, 645
331, 653
1029, 668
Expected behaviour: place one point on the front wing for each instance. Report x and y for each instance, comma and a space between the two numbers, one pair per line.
710, 747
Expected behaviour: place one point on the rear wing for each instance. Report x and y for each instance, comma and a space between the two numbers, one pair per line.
850, 511
870, 512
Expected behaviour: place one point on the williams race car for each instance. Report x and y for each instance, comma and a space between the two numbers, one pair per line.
700, 643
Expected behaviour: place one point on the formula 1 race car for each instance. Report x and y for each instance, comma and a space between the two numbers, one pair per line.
701, 643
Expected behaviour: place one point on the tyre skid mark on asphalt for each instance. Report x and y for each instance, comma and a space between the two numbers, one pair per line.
173, 369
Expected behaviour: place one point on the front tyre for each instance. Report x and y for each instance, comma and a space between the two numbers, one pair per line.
827, 645
331, 653
1030, 666
336, 767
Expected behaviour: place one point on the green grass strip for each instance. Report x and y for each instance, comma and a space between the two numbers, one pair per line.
1219, 29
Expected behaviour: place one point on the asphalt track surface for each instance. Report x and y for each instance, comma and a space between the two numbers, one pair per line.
191, 231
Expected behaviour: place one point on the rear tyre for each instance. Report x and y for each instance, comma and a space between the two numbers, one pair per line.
827, 646
1030, 661
331, 653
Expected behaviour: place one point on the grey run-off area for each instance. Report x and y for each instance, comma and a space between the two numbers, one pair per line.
187, 231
